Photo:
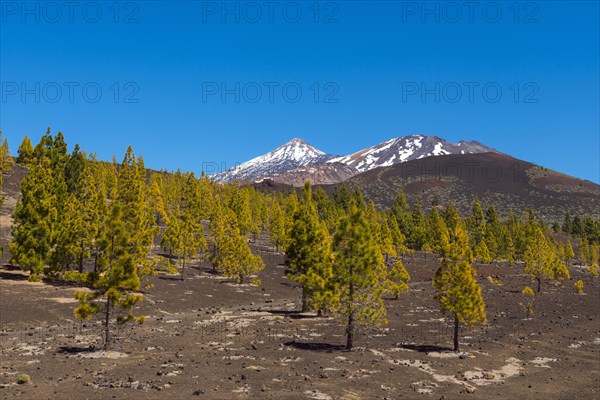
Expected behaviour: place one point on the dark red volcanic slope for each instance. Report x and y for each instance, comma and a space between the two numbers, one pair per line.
509, 183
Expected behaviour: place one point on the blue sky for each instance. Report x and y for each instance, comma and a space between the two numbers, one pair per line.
521, 77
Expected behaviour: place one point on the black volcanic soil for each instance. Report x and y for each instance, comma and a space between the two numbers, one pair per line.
208, 338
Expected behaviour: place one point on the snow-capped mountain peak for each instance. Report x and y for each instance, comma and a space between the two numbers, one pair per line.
293, 154
297, 160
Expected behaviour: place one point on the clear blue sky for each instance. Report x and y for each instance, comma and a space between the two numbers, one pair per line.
372, 58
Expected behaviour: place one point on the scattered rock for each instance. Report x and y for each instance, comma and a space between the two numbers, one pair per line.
489, 376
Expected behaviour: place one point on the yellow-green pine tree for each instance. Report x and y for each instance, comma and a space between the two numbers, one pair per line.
458, 292
25, 155
542, 261
397, 280
237, 261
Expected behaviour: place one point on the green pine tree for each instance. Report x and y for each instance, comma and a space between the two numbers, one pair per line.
114, 289
5, 166
308, 255
360, 274
35, 218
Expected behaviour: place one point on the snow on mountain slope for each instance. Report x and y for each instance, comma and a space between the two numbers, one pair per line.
295, 153
407, 148
296, 161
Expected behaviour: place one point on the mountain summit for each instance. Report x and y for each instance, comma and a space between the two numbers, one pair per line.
297, 161
294, 154
408, 148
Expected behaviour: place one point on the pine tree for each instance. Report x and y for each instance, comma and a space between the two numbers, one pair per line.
192, 230
402, 214
205, 192
457, 289
5, 166
156, 198
5, 158
359, 274
438, 235
78, 223
451, 217
342, 196
418, 235
308, 255
43, 148
584, 251
491, 243
240, 204
476, 223
96, 187
114, 288
358, 198
482, 253
277, 231
398, 238
71, 247
319, 277
216, 234
542, 261
510, 251
530, 295
397, 280
136, 212
568, 253
386, 240
35, 219
25, 153
237, 261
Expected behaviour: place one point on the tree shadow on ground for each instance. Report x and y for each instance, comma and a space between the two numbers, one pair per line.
170, 278
76, 350
12, 277
319, 347
24, 277
425, 348
291, 314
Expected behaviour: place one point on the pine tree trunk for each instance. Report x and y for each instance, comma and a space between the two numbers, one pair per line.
350, 331
183, 268
456, 326
214, 267
107, 324
320, 313
350, 327
95, 262
305, 307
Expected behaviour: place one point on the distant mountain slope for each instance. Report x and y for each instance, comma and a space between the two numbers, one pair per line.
295, 153
508, 183
297, 162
